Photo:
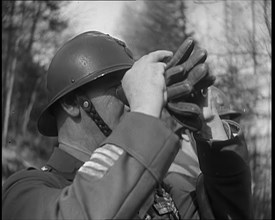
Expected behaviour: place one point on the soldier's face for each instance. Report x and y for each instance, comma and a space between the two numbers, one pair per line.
102, 93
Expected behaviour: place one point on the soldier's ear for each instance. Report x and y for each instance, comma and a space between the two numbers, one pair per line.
72, 110
70, 107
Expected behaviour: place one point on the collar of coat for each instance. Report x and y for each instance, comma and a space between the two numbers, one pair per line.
63, 164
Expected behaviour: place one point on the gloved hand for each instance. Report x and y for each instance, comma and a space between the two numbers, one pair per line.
186, 76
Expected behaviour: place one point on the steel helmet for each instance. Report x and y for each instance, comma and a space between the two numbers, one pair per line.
223, 105
81, 60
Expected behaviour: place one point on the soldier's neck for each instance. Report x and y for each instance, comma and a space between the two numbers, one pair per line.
75, 150
79, 141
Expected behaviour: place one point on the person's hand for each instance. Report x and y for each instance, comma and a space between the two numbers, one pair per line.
212, 126
144, 84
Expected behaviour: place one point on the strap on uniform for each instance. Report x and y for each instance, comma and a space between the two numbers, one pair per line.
89, 108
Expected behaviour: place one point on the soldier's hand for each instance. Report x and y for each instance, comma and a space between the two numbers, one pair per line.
144, 84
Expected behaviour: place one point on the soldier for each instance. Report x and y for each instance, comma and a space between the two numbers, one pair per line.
112, 160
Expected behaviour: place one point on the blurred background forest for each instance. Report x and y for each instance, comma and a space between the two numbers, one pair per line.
236, 34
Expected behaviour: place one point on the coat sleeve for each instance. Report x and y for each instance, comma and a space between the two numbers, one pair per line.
226, 174
223, 189
113, 184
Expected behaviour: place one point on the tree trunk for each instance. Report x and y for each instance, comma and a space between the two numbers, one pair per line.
11, 73
27, 114
228, 31
6, 62
266, 17
254, 50
34, 25
11, 77
34, 93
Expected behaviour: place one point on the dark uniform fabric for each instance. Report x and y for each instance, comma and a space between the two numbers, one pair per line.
131, 181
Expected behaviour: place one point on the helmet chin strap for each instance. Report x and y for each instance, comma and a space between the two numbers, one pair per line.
89, 108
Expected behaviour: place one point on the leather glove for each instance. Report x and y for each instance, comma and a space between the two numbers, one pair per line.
186, 77
186, 72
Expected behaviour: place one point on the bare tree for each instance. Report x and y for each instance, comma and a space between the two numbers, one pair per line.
10, 69
25, 22
248, 72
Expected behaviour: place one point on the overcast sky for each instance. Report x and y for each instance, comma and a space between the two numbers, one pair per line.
93, 15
